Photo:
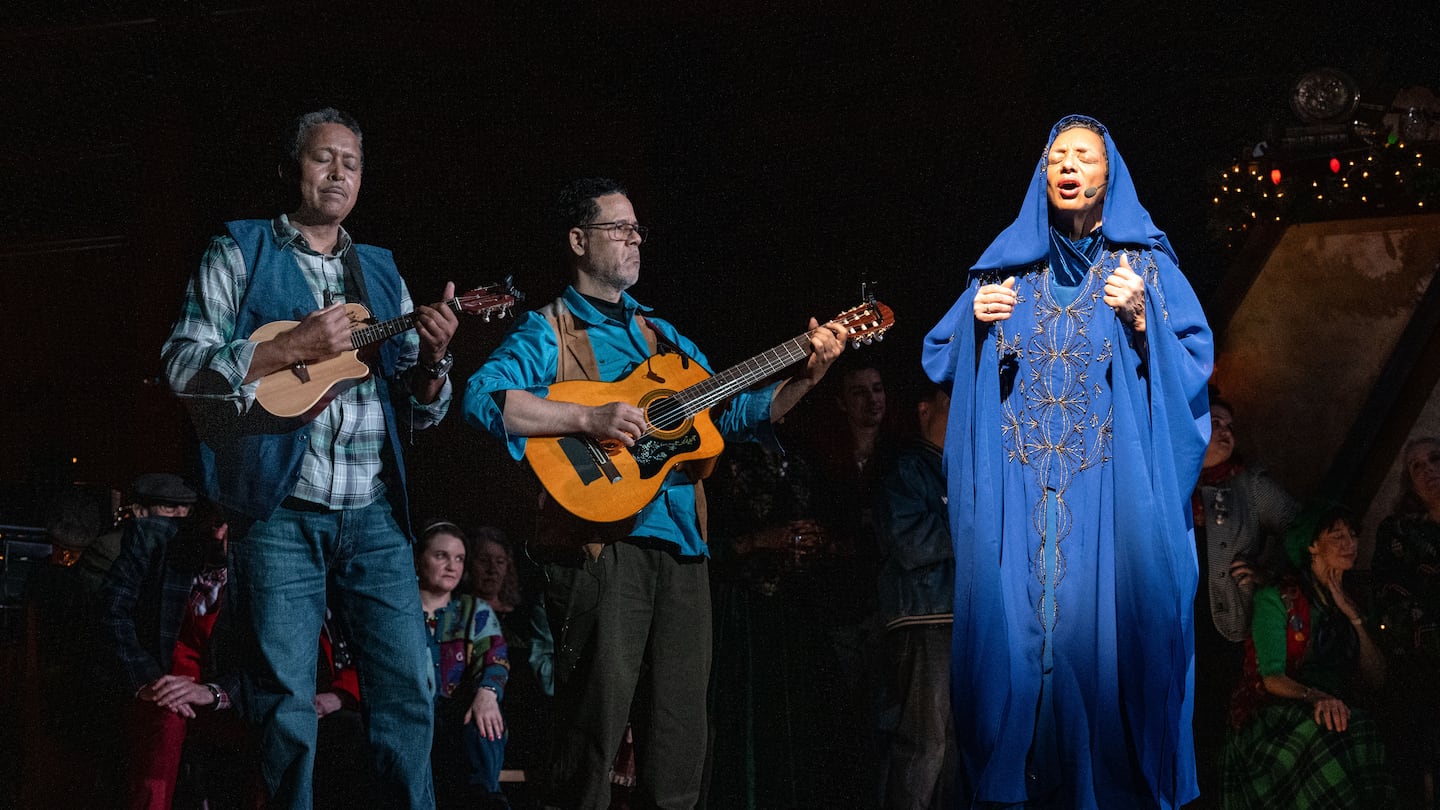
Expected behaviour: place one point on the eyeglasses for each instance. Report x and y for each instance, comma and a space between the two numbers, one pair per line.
619, 231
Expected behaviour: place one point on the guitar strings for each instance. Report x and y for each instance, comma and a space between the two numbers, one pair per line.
681, 408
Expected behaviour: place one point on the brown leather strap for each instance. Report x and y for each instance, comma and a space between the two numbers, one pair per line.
577, 356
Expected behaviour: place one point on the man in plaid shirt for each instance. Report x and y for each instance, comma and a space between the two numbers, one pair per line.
322, 497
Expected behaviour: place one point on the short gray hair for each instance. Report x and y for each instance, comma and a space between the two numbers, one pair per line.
300, 128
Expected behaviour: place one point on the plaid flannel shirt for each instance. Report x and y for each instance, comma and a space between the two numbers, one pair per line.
341, 467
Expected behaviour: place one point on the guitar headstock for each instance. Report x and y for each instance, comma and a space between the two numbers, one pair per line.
866, 323
489, 302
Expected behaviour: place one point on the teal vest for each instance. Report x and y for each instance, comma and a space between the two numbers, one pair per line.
251, 462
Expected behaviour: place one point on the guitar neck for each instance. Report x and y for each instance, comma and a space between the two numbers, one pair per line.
385, 330
711, 392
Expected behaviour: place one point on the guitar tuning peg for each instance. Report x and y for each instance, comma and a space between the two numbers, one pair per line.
486, 316
855, 344
869, 340
880, 337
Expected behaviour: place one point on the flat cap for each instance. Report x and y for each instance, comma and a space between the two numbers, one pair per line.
162, 488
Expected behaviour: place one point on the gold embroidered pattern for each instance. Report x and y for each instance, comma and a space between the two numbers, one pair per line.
1053, 421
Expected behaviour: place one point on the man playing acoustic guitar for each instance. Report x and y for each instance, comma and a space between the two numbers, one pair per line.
646, 597
323, 497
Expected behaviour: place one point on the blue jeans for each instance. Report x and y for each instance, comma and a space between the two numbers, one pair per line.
281, 567
461, 757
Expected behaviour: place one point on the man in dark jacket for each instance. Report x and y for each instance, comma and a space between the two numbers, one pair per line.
917, 585
159, 604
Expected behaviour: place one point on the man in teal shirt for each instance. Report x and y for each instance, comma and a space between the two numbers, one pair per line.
647, 597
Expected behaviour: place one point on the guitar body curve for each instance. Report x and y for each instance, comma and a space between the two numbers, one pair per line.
608, 482
288, 392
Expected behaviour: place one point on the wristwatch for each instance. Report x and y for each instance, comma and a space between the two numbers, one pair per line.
441, 367
215, 693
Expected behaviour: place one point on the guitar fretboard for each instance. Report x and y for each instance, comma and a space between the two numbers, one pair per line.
713, 390
388, 329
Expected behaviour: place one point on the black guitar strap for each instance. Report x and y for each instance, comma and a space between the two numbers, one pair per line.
354, 278
664, 344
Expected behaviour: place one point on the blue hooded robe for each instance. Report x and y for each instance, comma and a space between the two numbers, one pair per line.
1072, 449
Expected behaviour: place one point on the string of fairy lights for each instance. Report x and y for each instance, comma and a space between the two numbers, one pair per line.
1388, 179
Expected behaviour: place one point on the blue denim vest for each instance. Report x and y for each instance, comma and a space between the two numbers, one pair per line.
251, 462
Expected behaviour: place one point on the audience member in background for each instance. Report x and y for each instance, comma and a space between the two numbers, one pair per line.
159, 605
917, 603
1407, 576
343, 777
495, 577
1237, 509
854, 459
68, 727
855, 456
471, 668
152, 494
781, 738
1301, 738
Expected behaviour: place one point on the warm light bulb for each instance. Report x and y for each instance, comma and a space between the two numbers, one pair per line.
1275, 176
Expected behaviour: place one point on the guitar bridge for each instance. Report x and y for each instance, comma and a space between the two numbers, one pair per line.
589, 459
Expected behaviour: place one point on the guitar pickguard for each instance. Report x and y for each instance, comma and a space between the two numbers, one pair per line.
651, 452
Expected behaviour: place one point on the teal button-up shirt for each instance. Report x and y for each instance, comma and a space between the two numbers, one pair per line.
528, 358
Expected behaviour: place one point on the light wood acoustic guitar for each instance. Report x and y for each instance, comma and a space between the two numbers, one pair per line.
305, 388
605, 481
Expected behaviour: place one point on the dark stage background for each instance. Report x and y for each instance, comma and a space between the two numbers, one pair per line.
781, 157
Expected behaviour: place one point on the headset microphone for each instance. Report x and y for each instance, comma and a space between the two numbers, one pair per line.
1093, 190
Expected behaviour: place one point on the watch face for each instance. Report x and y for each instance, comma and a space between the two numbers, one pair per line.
442, 367
1324, 95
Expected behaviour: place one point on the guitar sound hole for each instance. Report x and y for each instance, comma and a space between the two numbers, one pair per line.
665, 414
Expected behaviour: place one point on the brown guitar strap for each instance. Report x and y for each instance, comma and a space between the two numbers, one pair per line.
577, 356
577, 362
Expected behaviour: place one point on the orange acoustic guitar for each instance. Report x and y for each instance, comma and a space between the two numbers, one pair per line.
305, 388
605, 481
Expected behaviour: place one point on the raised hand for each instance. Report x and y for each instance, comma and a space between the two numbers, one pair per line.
1125, 293
826, 344
436, 324
995, 302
